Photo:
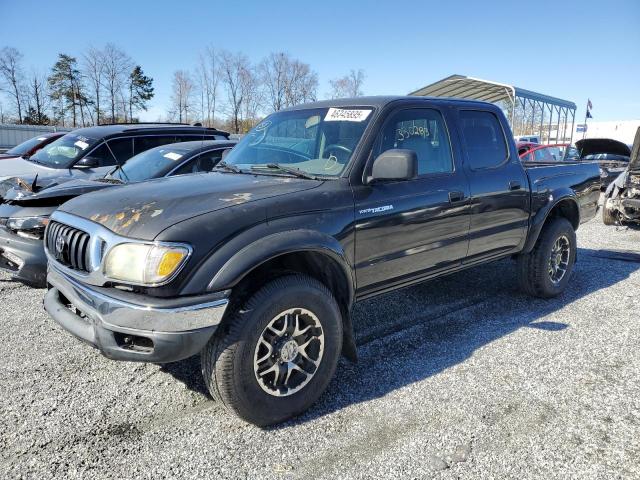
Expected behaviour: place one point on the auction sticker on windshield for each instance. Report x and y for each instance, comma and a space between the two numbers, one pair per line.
346, 115
172, 156
82, 145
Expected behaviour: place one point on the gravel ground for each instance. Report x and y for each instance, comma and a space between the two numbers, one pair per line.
462, 377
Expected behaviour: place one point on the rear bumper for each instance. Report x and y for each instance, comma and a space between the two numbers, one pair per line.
23, 258
132, 330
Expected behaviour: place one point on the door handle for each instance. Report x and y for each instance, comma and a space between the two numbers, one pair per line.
513, 185
456, 196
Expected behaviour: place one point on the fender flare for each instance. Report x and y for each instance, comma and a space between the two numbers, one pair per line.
271, 246
541, 216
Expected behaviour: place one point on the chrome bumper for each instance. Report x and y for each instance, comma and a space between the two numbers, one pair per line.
132, 330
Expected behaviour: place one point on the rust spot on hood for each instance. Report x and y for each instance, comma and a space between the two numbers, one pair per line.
238, 198
119, 222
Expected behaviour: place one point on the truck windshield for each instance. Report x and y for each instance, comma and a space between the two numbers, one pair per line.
64, 152
317, 141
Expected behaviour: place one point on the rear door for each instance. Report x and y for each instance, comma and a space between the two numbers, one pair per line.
410, 229
498, 184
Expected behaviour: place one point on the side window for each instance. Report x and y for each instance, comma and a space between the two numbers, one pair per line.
542, 155
202, 163
103, 155
122, 149
187, 138
140, 144
483, 139
191, 166
422, 130
208, 160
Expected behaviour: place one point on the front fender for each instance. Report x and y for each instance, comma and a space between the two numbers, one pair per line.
222, 272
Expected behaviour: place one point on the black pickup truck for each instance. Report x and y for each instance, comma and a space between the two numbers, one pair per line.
257, 266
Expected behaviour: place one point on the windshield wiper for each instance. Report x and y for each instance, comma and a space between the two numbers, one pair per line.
119, 167
287, 169
227, 167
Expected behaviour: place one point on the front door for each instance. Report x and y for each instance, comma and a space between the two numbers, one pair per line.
409, 229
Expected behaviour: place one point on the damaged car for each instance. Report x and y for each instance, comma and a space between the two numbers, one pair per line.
622, 197
90, 151
612, 156
27, 207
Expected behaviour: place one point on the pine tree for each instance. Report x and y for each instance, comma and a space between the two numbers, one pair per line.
140, 90
65, 83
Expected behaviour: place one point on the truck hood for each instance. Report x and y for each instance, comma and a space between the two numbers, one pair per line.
143, 210
590, 146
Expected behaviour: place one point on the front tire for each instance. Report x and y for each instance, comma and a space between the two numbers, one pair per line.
545, 271
277, 353
608, 216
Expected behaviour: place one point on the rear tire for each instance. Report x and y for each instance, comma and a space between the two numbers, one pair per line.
252, 365
545, 271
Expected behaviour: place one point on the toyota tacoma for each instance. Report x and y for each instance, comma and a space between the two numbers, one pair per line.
257, 265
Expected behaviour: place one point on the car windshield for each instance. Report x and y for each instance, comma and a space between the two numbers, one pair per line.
317, 142
152, 163
25, 147
606, 156
64, 152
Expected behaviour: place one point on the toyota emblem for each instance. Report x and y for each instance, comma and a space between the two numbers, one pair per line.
60, 243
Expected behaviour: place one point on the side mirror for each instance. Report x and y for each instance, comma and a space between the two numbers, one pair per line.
87, 162
395, 164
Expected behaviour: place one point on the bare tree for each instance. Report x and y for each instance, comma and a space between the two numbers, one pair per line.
302, 84
208, 78
274, 71
117, 66
12, 77
348, 86
181, 98
251, 97
232, 68
94, 70
37, 99
287, 81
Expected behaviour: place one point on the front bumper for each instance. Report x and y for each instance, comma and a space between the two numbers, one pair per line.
132, 330
23, 258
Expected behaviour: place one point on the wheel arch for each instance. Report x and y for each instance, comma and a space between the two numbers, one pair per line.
566, 206
306, 252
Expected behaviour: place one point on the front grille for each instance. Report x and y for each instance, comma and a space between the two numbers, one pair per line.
69, 246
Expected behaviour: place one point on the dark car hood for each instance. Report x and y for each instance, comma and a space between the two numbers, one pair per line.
60, 188
145, 209
591, 146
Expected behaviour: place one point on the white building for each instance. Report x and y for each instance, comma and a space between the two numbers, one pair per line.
622, 130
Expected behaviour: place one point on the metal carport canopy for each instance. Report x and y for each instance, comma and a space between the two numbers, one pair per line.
460, 86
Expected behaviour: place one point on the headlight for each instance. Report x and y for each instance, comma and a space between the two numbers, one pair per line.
144, 264
28, 227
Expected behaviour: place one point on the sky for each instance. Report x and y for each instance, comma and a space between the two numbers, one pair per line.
572, 50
